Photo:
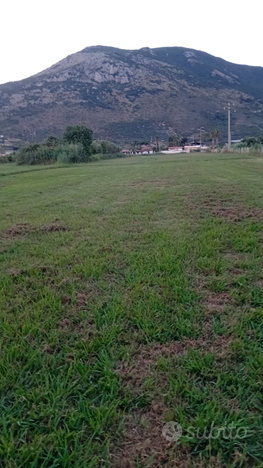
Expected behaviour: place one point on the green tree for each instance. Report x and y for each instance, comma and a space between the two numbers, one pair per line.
174, 140
135, 146
250, 141
79, 134
183, 140
213, 135
104, 147
217, 133
52, 141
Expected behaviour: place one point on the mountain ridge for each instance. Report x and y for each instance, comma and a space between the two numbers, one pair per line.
126, 95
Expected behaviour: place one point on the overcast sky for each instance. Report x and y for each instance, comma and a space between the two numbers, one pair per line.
35, 34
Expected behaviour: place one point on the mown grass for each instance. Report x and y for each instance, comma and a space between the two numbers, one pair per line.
131, 294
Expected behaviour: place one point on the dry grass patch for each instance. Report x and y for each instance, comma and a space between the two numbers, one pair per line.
21, 229
217, 302
229, 208
232, 210
143, 444
143, 363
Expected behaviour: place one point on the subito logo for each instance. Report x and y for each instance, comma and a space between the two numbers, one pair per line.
172, 431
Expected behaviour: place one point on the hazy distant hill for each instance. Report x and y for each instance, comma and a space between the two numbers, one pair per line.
127, 95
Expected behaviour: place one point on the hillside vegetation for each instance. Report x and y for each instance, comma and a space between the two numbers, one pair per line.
127, 95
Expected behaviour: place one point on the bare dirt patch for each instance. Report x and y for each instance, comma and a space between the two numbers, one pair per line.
65, 299
14, 272
54, 228
21, 229
64, 324
82, 298
232, 211
18, 229
144, 444
144, 360
217, 302
236, 271
47, 349
232, 255
226, 207
66, 281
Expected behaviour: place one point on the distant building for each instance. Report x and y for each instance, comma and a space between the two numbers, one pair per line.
185, 149
147, 150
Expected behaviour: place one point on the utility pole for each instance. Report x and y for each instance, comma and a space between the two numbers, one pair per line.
229, 133
201, 129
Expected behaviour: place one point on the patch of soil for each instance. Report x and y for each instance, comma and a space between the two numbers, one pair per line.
65, 281
65, 299
226, 207
54, 228
47, 349
236, 271
63, 324
221, 345
143, 440
232, 255
216, 302
82, 299
143, 444
145, 358
15, 272
24, 228
231, 210
133, 373
18, 229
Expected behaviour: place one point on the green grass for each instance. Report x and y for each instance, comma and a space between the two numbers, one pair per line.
131, 294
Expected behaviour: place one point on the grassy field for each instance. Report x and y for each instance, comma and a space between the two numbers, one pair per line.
131, 295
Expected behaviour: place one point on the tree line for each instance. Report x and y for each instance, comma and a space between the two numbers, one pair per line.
76, 146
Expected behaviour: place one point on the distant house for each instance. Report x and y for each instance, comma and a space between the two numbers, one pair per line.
145, 150
173, 149
186, 149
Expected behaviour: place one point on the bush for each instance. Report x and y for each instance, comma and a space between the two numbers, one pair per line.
68, 154
7, 158
43, 154
69, 150
239, 145
104, 147
35, 154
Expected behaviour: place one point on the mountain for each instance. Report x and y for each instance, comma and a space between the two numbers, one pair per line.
127, 95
